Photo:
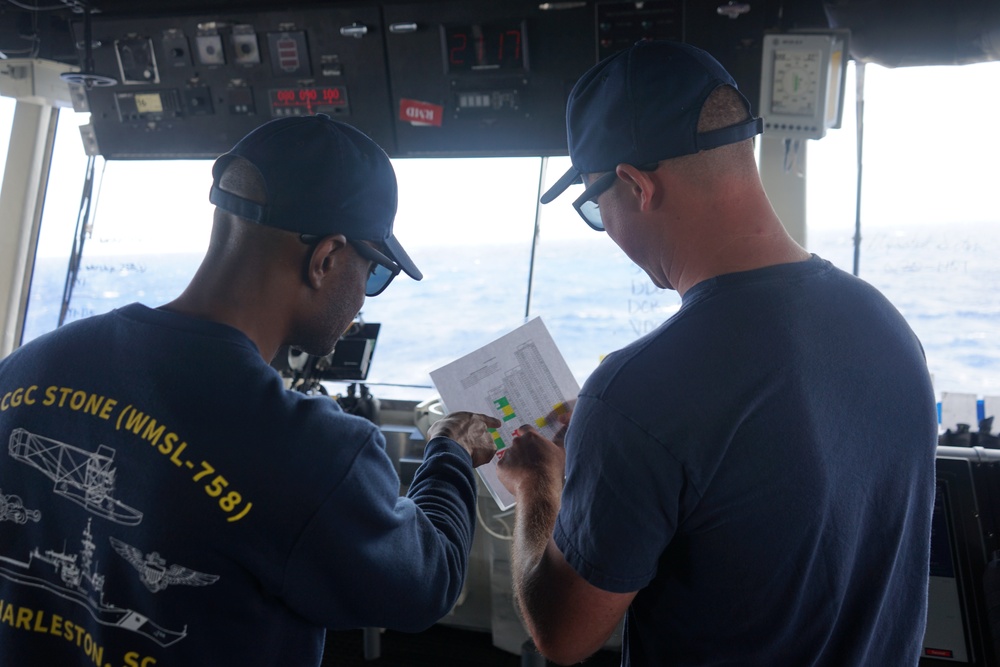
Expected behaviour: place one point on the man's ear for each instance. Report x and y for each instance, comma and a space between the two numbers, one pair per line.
644, 186
324, 258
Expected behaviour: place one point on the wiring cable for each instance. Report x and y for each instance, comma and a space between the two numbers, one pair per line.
506, 538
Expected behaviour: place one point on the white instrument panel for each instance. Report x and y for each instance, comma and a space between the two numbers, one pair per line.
802, 83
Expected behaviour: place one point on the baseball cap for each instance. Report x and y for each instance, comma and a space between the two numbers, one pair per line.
321, 177
640, 106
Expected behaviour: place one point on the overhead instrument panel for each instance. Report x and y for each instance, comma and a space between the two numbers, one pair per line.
446, 79
485, 79
192, 86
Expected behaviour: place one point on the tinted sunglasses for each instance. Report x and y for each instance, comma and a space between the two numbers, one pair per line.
586, 203
382, 270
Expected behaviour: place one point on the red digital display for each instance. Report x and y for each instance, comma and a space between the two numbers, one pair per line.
304, 101
485, 47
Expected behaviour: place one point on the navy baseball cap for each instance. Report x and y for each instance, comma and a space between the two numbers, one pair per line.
322, 177
640, 106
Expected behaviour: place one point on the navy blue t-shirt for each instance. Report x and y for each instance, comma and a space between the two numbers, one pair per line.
166, 499
761, 469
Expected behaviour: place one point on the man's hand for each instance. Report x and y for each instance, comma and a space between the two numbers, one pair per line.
469, 430
532, 462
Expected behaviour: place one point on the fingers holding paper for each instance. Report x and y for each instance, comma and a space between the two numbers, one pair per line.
531, 462
471, 431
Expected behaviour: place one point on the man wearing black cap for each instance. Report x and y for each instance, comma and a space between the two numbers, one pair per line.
181, 506
751, 483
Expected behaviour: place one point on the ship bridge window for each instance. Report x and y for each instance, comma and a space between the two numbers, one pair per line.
930, 218
6, 119
930, 233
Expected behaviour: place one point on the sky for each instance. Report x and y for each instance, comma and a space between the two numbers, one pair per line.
930, 149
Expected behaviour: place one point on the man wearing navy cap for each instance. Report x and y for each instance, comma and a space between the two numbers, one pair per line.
185, 507
751, 483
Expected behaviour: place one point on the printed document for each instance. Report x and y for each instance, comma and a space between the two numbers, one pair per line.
520, 378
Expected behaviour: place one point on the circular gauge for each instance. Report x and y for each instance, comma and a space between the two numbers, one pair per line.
795, 87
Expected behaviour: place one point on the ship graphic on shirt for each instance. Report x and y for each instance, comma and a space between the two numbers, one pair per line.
75, 577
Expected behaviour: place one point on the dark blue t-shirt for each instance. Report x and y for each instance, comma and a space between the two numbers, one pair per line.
761, 470
168, 499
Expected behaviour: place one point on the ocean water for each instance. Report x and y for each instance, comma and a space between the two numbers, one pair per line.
943, 278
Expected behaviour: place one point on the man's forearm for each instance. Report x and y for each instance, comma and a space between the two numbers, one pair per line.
534, 522
568, 617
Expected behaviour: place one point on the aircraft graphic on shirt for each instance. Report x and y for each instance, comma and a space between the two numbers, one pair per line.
154, 572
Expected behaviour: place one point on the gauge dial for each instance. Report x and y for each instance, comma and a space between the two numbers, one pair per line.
796, 83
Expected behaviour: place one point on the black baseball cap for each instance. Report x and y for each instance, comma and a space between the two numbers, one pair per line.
640, 106
321, 177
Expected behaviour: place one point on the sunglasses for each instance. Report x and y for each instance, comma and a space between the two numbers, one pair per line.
382, 270
586, 203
